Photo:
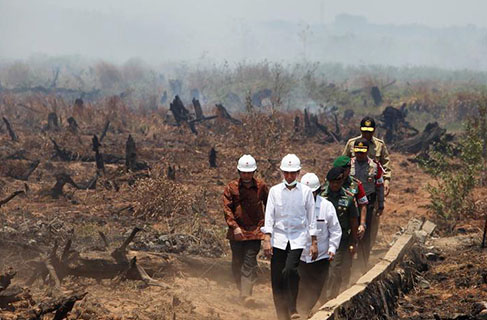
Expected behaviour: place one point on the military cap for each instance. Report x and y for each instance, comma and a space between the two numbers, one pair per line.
335, 173
341, 161
367, 124
361, 145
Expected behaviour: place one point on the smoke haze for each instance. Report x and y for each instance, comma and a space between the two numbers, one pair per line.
441, 34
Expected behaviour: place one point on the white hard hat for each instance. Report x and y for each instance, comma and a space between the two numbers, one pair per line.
247, 163
290, 163
311, 180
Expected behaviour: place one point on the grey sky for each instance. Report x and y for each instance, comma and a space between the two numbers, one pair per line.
436, 13
158, 30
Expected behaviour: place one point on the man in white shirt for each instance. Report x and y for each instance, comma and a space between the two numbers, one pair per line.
290, 220
313, 274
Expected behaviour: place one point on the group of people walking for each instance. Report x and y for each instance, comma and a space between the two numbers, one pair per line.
310, 230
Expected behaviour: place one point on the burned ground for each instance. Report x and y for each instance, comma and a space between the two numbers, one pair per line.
169, 190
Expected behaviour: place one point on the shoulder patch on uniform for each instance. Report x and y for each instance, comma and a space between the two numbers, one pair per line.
343, 202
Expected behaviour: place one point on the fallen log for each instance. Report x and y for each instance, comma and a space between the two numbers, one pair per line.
66, 155
10, 197
96, 265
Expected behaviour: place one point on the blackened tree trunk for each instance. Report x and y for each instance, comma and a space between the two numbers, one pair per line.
52, 121
197, 109
130, 154
100, 166
376, 95
212, 158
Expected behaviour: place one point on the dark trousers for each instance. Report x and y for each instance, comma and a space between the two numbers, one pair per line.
370, 235
312, 279
244, 264
340, 269
285, 280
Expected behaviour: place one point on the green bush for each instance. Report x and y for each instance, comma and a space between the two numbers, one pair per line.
457, 170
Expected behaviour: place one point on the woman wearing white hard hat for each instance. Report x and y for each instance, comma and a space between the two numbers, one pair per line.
243, 204
314, 273
290, 221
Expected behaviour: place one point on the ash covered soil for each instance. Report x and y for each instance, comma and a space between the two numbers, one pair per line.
182, 243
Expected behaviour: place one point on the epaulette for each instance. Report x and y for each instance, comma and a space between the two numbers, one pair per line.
379, 140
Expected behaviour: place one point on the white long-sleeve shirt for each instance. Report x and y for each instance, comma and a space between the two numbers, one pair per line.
290, 216
329, 231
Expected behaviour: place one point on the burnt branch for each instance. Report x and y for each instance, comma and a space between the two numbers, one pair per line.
11, 132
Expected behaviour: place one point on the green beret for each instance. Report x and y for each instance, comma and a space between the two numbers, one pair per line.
341, 161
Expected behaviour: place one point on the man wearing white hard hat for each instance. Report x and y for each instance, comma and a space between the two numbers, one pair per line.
290, 221
314, 273
243, 204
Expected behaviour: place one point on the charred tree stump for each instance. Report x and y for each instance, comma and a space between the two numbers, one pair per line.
130, 154
394, 121
100, 166
222, 113
62, 306
297, 124
61, 180
164, 97
432, 133
197, 109
309, 127
485, 233
376, 95
73, 125
171, 173
5, 279
11, 132
10, 294
105, 130
79, 103
180, 113
52, 122
212, 158
348, 114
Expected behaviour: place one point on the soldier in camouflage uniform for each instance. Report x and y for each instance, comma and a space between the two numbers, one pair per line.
356, 189
377, 149
344, 203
